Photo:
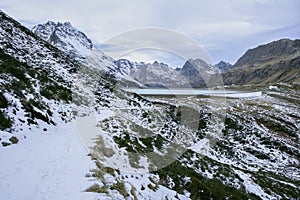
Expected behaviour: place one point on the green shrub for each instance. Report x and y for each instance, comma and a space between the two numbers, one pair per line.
199, 186
3, 101
5, 122
56, 92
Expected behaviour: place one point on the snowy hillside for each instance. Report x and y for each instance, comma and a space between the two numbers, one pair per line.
41, 154
36, 81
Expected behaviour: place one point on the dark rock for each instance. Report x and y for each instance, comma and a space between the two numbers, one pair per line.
224, 66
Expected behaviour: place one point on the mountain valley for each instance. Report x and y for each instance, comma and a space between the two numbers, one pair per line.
146, 146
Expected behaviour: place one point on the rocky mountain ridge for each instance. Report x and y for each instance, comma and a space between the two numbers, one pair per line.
78, 46
274, 62
161, 75
277, 50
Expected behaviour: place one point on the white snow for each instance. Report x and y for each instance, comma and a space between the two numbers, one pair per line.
87, 130
47, 165
245, 95
273, 87
251, 187
78, 46
201, 146
105, 114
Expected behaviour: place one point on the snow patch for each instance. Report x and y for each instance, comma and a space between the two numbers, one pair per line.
49, 165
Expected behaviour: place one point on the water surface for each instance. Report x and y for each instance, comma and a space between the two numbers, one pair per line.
193, 92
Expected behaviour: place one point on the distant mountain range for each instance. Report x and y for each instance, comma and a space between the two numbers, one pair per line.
76, 44
161, 75
270, 63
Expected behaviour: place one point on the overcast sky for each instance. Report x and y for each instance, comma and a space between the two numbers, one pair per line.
225, 29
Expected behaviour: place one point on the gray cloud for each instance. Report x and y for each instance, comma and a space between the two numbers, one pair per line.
224, 28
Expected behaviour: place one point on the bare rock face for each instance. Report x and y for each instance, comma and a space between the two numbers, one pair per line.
281, 49
278, 61
224, 66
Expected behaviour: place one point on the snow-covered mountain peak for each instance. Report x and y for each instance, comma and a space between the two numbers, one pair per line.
124, 63
196, 62
160, 64
196, 66
65, 37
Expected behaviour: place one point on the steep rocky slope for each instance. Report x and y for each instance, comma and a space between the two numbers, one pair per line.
274, 51
35, 82
198, 73
275, 62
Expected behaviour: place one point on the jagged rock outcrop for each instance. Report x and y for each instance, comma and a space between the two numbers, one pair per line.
224, 66
78, 46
